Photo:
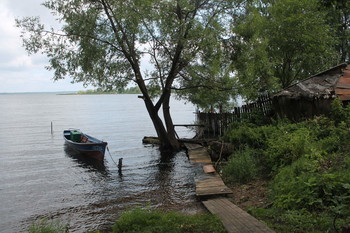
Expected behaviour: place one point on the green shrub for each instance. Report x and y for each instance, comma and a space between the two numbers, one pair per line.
299, 221
286, 147
301, 186
241, 167
309, 167
143, 220
249, 134
244, 134
45, 226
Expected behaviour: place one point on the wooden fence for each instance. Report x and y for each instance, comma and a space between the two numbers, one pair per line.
215, 124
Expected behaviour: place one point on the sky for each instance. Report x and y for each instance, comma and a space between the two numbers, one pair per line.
20, 72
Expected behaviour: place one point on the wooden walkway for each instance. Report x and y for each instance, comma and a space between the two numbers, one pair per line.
207, 184
235, 219
210, 185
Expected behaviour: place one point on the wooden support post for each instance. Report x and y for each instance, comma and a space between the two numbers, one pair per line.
120, 164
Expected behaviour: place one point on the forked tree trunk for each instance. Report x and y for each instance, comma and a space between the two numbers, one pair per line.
169, 123
168, 141
166, 136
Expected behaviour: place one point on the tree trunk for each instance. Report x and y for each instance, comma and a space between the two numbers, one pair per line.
169, 123
166, 136
167, 139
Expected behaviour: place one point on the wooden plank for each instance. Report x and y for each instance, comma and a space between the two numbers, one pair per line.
339, 91
199, 155
211, 185
206, 184
208, 168
235, 219
191, 146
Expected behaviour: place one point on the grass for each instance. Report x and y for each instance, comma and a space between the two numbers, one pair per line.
45, 226
148, 221
143, 220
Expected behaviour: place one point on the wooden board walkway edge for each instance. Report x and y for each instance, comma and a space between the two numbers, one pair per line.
235, 219
210, 185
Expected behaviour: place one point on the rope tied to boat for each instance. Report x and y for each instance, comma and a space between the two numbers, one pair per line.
120, 163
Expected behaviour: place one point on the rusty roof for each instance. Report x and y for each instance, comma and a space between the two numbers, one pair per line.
342, 88
327, 84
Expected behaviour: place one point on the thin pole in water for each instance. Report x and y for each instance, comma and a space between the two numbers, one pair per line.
51, 128
120, 164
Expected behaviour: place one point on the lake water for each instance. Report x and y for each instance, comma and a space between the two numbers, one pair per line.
39, 179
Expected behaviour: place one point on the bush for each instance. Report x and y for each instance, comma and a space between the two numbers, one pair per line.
286, 147
249, 134
45, 226
143, 220
241, 167
308, 163
302, 186
301, 220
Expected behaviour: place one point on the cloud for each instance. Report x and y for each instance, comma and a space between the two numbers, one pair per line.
18, 71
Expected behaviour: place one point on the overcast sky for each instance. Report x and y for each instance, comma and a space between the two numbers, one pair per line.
18, 71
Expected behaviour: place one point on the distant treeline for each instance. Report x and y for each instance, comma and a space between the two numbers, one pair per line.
98, 91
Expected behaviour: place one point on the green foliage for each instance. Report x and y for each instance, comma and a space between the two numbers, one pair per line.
143, 220
299, 221
287, 146
279, 42
151, 43
107, 43
246, 134
210, 83
308, 166
303, 188
340, 113
45, 226
338, 12
241, 167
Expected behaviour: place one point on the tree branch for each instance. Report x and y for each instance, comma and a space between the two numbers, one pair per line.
202, 86
82, 35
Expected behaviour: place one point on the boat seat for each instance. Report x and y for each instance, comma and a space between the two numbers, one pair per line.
84, 139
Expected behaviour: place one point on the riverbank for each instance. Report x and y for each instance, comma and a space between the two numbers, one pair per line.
147, 220
293, 176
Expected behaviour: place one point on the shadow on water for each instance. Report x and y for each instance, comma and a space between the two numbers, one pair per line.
86, 162
171, 184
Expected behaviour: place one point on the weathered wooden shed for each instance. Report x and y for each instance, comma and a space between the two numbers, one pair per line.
314, 95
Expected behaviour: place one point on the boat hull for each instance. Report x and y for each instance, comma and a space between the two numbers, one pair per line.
94, 148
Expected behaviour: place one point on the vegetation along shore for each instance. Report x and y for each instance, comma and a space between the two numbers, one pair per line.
292, 174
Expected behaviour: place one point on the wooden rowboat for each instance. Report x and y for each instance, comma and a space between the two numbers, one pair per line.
85, 144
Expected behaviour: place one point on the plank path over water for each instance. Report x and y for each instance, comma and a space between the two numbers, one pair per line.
210, 186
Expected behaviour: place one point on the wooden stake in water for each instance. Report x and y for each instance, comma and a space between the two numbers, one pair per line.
120, 164
51, 128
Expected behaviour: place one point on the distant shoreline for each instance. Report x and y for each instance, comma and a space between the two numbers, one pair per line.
65, 93
33, 93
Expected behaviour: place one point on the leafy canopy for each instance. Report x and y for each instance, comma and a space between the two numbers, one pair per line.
280, 42
108, 43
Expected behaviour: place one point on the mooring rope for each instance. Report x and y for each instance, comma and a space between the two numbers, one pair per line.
111, 156
119, 165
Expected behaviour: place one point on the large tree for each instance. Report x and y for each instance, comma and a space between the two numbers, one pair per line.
278, 42
103, 42
338, 17
210, 83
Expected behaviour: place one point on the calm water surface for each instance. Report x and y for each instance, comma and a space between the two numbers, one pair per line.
39, 179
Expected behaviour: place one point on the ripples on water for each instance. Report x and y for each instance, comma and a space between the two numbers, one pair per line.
39, 178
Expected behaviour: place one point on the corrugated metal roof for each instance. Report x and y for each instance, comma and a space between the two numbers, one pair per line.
327, 84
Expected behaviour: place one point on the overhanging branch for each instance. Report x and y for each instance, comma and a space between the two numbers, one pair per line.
209, 87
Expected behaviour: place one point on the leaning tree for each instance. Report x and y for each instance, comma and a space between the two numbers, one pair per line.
104, 42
